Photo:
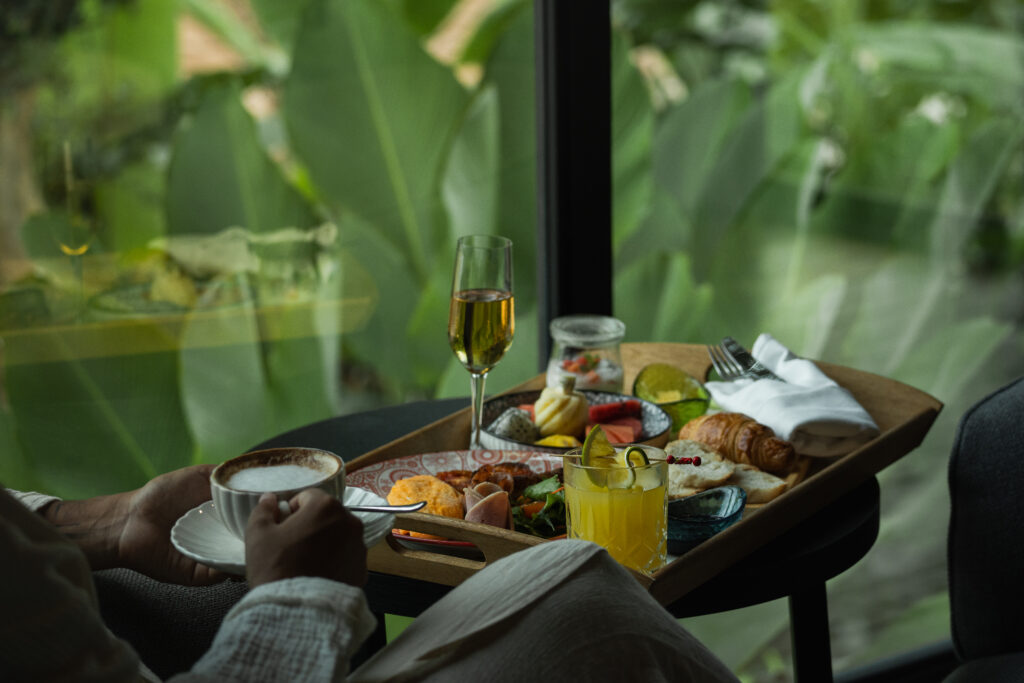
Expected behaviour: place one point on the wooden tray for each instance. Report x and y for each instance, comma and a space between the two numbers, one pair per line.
903, 414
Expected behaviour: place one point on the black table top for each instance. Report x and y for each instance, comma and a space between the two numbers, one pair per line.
815, 550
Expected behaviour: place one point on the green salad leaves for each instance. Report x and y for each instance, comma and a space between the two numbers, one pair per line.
541, 509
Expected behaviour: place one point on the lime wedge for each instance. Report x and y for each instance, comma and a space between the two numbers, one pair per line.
634, 456
596, 449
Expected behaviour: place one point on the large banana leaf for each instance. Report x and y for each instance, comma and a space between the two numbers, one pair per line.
372, 117
221, 177
242, 380
632, 133
510, 69
97, 425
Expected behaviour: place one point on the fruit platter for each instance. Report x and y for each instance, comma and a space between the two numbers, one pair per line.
558, 419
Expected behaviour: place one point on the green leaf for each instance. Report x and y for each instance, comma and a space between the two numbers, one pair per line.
221, 177
131, 207
372, 117
124, 57
382, 343
281, 19
690, 139
969, 184
632, 132
94, 425
223, 378
767, 134
510, 70
227, 25
489, 32
886, 191
542, 488
985, 63
470, 183
425, 15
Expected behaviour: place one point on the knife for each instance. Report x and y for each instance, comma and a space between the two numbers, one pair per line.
750, 365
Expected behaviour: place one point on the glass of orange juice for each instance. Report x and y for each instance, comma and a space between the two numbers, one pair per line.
620, 503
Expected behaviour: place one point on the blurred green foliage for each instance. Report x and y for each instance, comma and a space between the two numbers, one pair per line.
845, 174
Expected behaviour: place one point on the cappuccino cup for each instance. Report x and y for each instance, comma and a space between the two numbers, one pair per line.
237, 484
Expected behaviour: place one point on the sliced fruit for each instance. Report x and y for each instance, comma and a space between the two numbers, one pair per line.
596, 448
559, 441
633, 423
605, 412
615, 433
634, 456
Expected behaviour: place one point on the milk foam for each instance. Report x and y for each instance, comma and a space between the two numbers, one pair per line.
274, 478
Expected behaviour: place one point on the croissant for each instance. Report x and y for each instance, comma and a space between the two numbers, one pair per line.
741, 439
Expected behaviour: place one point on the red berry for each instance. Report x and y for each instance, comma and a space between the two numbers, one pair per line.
670, 459
686, 461
696, 460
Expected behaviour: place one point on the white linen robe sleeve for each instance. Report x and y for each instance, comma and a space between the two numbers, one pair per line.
297, 629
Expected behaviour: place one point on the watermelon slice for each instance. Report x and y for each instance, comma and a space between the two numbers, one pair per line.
603, 413
633, 423
528, 407
616, 433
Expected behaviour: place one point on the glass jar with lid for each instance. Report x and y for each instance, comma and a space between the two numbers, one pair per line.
587, 347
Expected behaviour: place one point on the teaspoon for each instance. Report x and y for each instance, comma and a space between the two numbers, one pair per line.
390, 509
412, 507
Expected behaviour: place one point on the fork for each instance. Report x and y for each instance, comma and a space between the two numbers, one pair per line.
729, 368
725, 365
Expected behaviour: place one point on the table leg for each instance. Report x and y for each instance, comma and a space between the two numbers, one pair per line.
809, 635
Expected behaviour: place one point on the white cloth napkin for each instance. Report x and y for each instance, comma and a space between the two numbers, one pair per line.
809, 410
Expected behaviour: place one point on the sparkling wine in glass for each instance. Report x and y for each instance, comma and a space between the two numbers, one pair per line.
481, 320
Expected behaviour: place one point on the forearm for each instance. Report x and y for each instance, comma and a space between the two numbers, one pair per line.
94, 525
295, 629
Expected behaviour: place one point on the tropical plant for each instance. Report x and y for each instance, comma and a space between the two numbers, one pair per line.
845, 175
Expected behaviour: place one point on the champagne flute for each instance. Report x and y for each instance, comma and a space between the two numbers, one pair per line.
481, 319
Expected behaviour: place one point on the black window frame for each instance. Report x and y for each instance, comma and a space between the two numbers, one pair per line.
574, 161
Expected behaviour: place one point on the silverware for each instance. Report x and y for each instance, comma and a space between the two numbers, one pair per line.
286, 509
750, 365
412, 507
725, 365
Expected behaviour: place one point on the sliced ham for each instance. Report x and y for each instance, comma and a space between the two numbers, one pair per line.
480, 491
488, 503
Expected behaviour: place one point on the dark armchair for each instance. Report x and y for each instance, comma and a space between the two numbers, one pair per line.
986, 539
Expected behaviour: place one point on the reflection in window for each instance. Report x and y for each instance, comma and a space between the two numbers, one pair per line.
222, 220
847, 176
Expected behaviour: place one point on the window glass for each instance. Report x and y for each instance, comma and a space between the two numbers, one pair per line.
845, 175
223, 219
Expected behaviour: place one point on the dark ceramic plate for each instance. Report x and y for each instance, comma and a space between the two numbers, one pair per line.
694, 519
656, 422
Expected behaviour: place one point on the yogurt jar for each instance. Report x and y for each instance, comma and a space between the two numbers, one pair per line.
587, 347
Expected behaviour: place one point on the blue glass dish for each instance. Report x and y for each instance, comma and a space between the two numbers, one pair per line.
694, 519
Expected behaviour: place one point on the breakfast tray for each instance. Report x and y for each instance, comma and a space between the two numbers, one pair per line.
903, 414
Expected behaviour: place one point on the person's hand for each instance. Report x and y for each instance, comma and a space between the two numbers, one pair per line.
319, 538
145, 540
133, 529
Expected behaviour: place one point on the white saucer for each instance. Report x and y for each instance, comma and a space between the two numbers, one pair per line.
200, 535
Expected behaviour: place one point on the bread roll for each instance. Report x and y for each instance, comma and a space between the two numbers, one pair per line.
761, 487
741, 439
685, 479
